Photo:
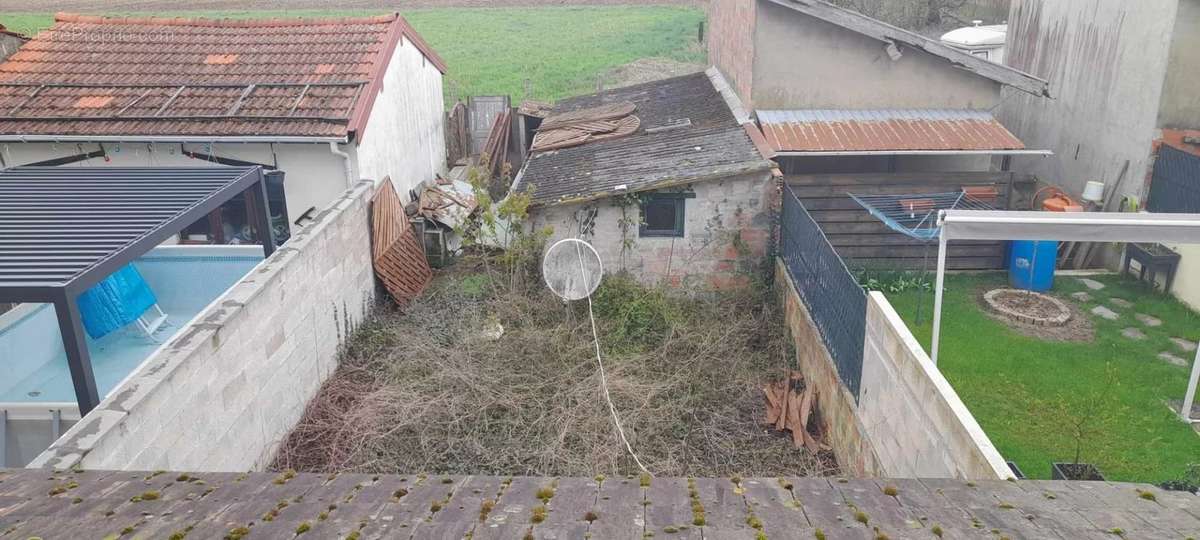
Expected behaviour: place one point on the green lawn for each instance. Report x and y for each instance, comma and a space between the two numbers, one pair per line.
560, 50
1012, 382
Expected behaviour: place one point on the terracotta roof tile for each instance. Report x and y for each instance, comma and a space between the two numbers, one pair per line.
147, 76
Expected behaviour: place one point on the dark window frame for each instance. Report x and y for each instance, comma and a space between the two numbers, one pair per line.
680, 208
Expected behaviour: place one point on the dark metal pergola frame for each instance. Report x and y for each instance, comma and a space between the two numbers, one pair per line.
63, 230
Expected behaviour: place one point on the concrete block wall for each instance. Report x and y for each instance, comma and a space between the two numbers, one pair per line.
731, 26
908, 421
844, 430
229, 387
706, 257
913, 417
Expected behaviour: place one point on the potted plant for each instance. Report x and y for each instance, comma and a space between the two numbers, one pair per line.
1084, 420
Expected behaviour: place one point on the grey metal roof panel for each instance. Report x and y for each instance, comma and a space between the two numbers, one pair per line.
61, 225
714, 145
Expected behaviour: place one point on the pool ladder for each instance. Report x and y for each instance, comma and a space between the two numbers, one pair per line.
55, 432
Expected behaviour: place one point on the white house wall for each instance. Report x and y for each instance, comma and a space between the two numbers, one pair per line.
404, 138
313, 176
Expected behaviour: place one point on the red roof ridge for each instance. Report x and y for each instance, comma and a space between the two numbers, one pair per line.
63, 17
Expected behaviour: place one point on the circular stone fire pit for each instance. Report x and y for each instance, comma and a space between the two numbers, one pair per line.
1028, 307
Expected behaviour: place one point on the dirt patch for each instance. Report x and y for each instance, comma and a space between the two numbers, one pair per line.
432, 389
1078, 328
649, 69
115, 6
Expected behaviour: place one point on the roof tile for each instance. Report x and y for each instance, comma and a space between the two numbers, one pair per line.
184, 76
712, 145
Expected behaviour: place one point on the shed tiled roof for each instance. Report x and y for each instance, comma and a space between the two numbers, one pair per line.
885, 130
687, 133
90, 75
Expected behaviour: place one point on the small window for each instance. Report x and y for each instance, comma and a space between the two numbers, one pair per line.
662, 214
981, 54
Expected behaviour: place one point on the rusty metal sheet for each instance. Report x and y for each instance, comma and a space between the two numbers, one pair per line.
831, 130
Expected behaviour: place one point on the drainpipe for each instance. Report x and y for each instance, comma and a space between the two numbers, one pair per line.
333, 148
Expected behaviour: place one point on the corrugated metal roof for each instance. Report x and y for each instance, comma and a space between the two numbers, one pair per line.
834, 130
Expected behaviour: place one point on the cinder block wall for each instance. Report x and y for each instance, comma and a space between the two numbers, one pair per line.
915, 420
706, 257
731, 43
844, 430
227, 389
908, 422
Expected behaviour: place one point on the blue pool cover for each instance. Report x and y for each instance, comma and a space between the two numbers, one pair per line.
115, 302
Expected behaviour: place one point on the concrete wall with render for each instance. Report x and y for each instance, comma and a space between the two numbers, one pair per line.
705, 257
801, 62
909, 422
1106, 61
731, 27
404, 138
1180, 107
915, 420
313, 176
224, 393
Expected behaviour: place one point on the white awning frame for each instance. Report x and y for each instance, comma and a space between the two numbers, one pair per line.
1064, 226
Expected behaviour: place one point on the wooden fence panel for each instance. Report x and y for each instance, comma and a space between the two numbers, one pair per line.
864, 242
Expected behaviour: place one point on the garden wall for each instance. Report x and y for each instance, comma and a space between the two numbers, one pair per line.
914, 419
844, 431
908, 421
229, 387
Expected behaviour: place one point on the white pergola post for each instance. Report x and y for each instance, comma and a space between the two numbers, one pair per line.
937, 297
1069, 226
1190, 397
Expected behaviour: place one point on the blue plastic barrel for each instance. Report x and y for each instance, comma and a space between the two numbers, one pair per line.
1031, 264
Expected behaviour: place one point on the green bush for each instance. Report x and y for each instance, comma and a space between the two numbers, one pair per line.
632, 313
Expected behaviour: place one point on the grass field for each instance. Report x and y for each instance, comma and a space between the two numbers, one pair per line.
560, 50
1012, 382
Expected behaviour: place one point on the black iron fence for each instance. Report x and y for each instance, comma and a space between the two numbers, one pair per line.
835, 301
1175, 186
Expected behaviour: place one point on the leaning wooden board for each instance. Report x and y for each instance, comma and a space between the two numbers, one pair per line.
397, 256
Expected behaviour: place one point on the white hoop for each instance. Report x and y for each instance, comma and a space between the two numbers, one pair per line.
572, 269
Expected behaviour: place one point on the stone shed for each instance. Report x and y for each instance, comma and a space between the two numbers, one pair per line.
667, 179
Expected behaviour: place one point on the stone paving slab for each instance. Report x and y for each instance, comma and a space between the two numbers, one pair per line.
1148, 320
210, 505
1184, 345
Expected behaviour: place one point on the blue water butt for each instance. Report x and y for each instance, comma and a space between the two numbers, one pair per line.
1031, 264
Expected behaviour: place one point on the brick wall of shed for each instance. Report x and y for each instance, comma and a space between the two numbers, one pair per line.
229, 387
706, 257
731, 43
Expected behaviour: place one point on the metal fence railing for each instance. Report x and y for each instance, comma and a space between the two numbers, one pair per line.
835, 301
1175, 186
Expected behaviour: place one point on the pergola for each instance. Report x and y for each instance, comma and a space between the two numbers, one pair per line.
64, 229
1064, 226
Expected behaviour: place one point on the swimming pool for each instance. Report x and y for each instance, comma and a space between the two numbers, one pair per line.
186, 279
